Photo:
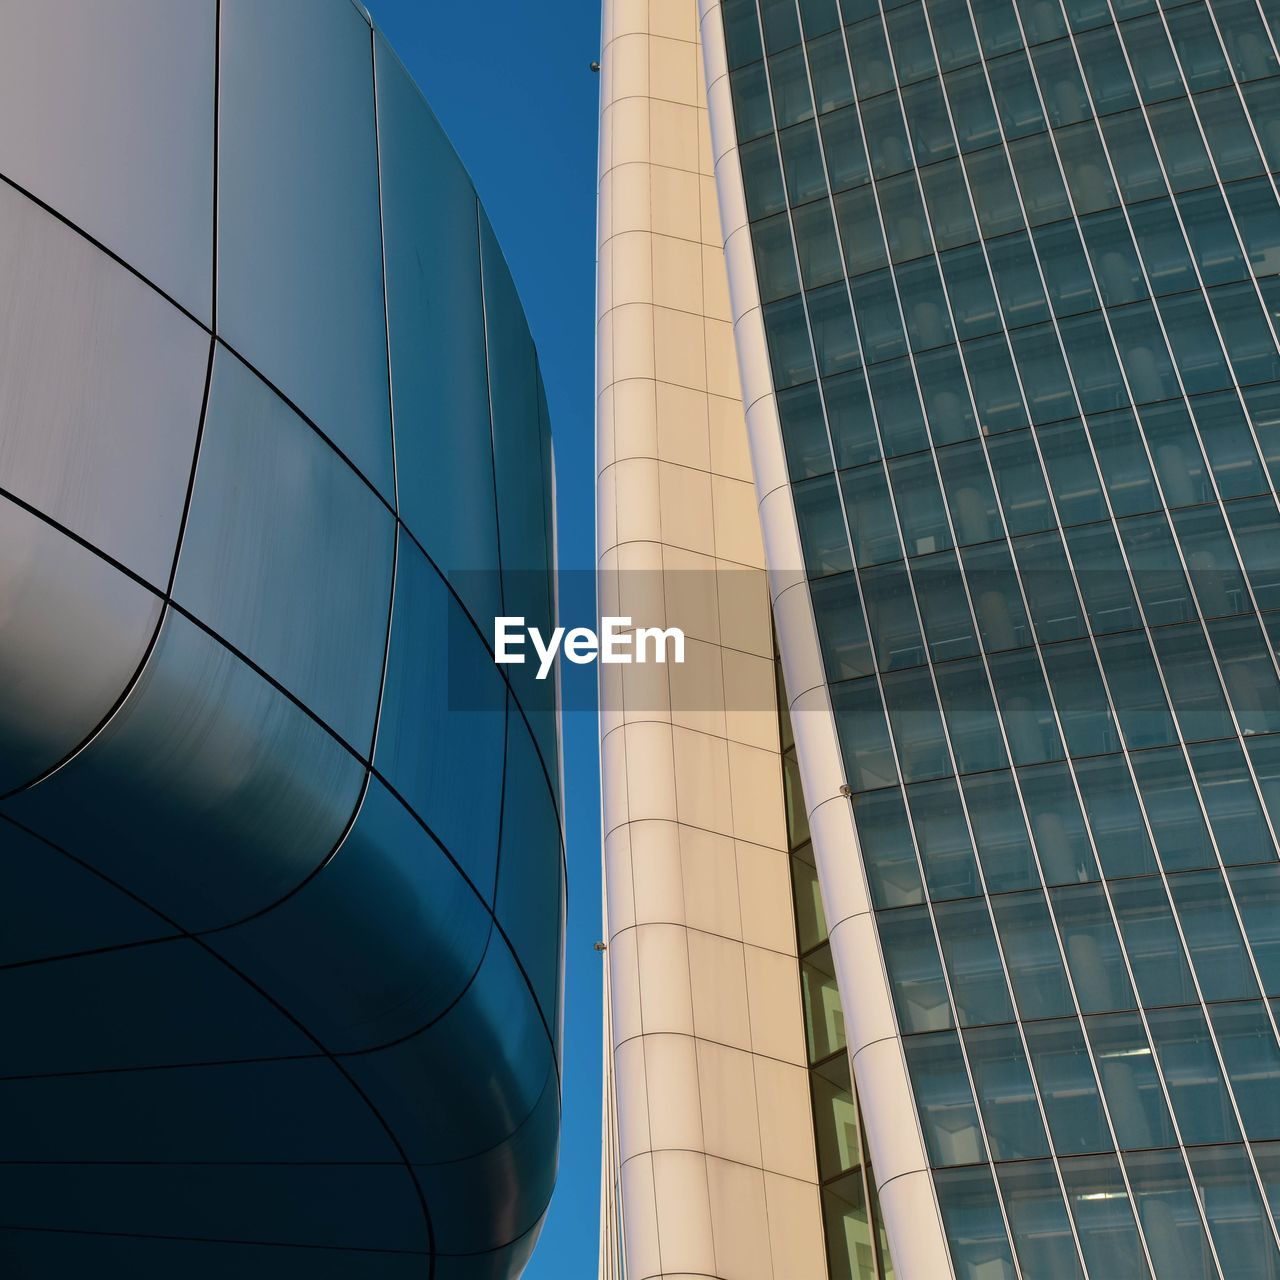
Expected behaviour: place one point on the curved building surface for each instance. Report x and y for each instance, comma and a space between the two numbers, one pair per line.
281, 867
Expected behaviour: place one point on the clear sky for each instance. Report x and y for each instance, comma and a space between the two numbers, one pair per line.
511, 83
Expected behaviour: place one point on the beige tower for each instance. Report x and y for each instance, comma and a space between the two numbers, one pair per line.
710, 1160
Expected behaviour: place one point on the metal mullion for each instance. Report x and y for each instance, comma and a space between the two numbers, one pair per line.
1160, 675
1053, 501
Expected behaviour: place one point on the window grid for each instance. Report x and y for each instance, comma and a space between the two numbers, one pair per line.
880, 690
1111, 516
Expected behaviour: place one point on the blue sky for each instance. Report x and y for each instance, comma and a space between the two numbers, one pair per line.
511, 83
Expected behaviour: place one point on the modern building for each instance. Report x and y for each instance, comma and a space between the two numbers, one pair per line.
1003, 286
281, 874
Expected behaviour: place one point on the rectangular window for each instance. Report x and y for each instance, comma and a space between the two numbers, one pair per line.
1038, 1219
1064, 1073
1238, 822
1035, 967
1174, 810
917, 725
944, 1102
1257, 890
1085, 164
1130, 1083
1169, 1214
853, 430
1050, 587
1081, 699
1192, 1075
946, 396
888, 853
927, 119
919, 502
973, 963
1004, 849
891, 613
1235, 1211
1057, 824
821, 523
842, 632
1131, 486
834, 338
1103, 1214
915, 969
1006, 1095
804, 432
1136, 692
974, 1225
1249, 1049
1092, 948
948, 625
1218, 953
1151, 940
971, 716
864, 735
974, 509
993, 584
866, 496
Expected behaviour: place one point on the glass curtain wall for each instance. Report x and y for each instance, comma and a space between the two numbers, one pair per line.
1018, 268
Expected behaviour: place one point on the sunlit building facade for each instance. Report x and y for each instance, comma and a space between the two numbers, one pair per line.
281, 873
1004, 289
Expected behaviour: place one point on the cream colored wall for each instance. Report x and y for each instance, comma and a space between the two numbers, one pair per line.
709, 1132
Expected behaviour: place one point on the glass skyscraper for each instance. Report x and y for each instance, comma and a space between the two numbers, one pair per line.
281, 868
1004, 293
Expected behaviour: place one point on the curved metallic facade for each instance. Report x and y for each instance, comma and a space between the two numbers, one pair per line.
1004, 291
281, 865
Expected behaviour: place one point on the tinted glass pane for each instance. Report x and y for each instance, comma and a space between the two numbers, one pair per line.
1169, 1216
1218, 953
1064, 1073
1192, 1075
888, 854
1257, 893
1038, 1219
1103, 1213
1252, 1057
1235, 1211
944, 1099
1092, 948
1035, 968
1000, 832
973, 963
1130, 1083
1151, 939
974, 1225
943, 836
